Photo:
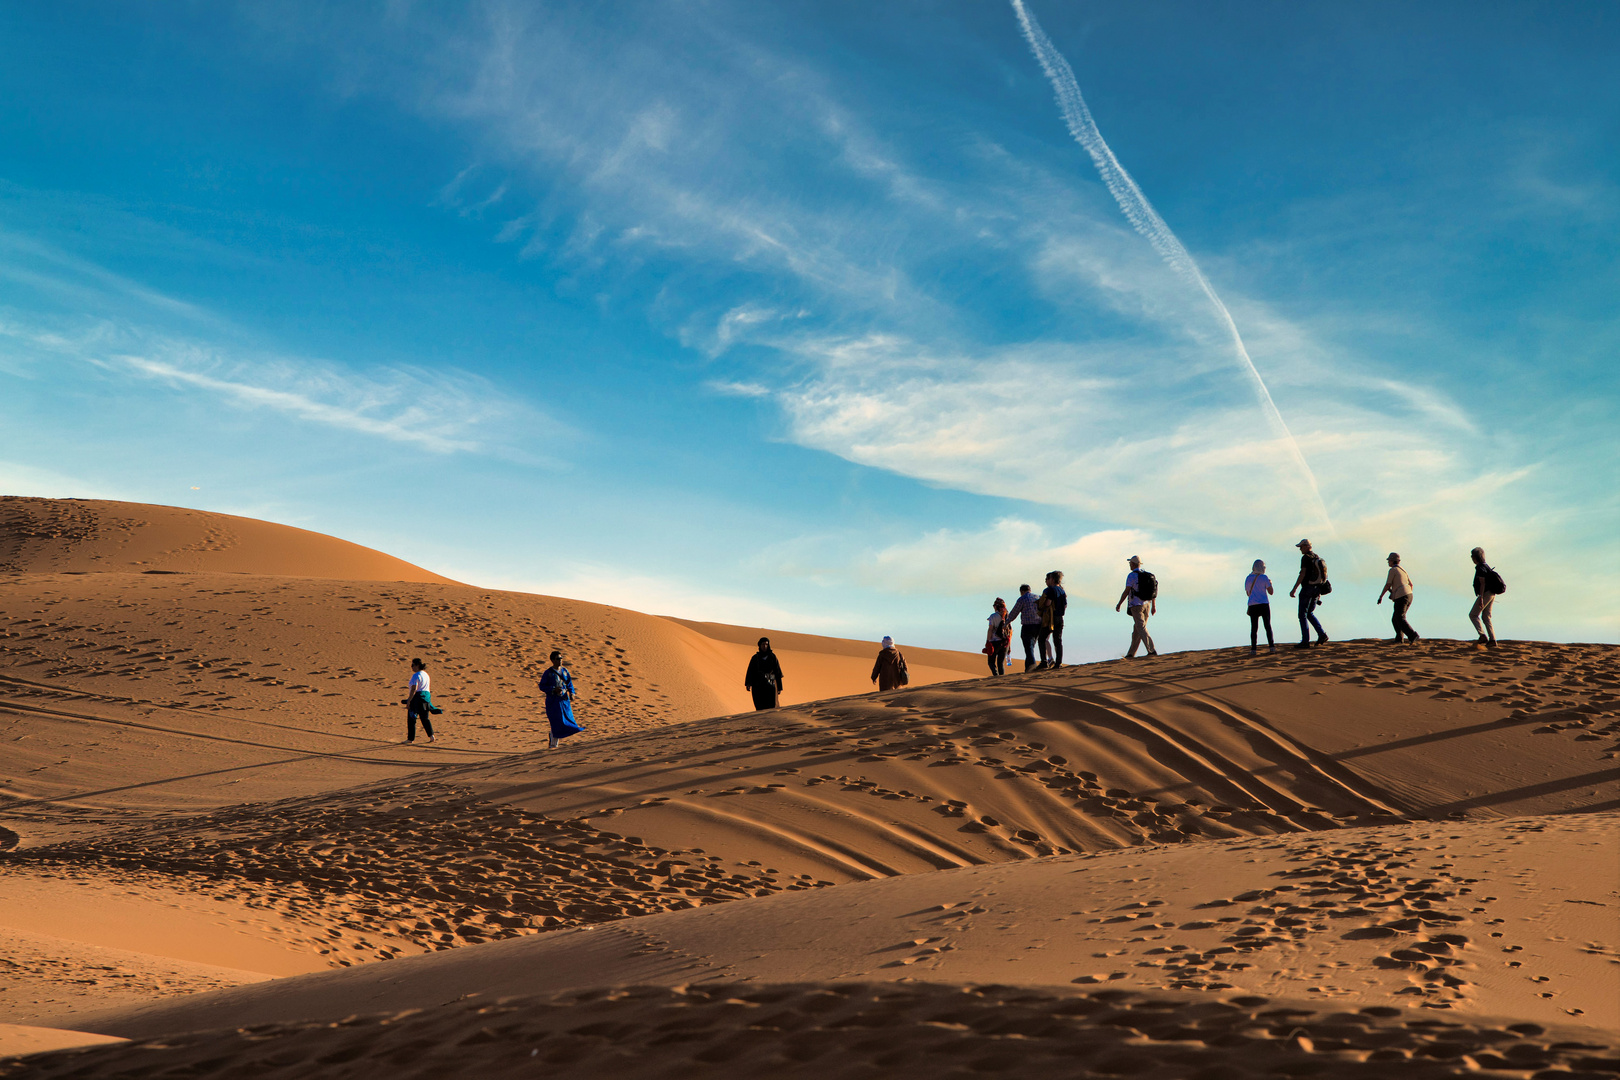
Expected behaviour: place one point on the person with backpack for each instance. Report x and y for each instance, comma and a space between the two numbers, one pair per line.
419, 703
1257, 587
558, 686
764, 677
890, 670
1311, 585
1488, 585
998, 637
1027, 608
1053, 603
1399, 587
1142, 590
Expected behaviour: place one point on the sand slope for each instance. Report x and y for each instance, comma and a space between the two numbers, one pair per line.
1454, 917
97, 536
203, 787
136, 688
865, 1030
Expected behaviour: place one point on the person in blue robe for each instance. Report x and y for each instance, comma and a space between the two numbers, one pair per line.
558, 686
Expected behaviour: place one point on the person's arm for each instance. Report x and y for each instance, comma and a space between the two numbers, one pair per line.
1388, 582
1299, 579
877, 666
1269, 590
1123, 597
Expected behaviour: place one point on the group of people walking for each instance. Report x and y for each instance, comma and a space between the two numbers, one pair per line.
1040, 626
1313, 583
1039, 619
555, 683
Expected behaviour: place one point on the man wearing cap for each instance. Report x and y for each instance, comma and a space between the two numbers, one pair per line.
1308, 586
1139, 610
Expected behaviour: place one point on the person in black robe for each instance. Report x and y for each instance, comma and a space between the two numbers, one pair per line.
764, 678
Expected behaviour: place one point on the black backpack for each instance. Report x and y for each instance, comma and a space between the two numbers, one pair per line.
1147, 586
1494, 583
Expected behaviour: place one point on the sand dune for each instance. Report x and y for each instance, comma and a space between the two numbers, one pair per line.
852, 1029
204, 687
206, 810
78, 536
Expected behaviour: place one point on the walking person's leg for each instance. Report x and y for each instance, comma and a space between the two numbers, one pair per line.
410, 723
1485, 616
1308, 599
1254, 628
1001, 659
1057, 644
1139, 632
1475, 612
1045, 643
1402, 604
1029, 633
1265, 613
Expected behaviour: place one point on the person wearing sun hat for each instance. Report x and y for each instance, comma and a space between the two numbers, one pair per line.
1310, 586
1399, 587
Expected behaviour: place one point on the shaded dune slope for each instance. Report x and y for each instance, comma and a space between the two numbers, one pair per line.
737, 807
862, 1030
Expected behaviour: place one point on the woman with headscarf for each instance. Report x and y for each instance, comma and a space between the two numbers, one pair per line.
890, 670
998, 638
558, 686
1257, 586
764, 677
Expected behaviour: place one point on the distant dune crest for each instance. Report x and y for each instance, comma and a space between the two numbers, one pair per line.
56, 536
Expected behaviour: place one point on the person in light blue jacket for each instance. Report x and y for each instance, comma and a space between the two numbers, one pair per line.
558, 686
1257, 587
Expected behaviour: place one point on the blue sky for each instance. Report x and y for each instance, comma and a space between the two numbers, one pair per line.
816, 315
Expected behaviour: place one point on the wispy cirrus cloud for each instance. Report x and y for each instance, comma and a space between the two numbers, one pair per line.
443, 411
967, 306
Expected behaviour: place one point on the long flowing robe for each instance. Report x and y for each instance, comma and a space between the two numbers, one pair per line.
764, 679
558, 686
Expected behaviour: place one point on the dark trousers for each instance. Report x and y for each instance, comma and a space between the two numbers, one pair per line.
765, 695
1052, 644
1259, 613
1308, 599
1398, 620
997, 657
1031, 633
417, 707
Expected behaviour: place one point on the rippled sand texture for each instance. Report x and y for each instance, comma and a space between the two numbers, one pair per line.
1354, 860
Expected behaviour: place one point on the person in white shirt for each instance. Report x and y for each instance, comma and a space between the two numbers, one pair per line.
1257, 587
998, 637
1140, 609
419, 702
1398, 586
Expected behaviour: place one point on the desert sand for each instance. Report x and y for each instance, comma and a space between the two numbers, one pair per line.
1353, 860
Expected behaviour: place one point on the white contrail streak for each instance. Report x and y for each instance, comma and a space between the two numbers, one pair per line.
1147, 221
